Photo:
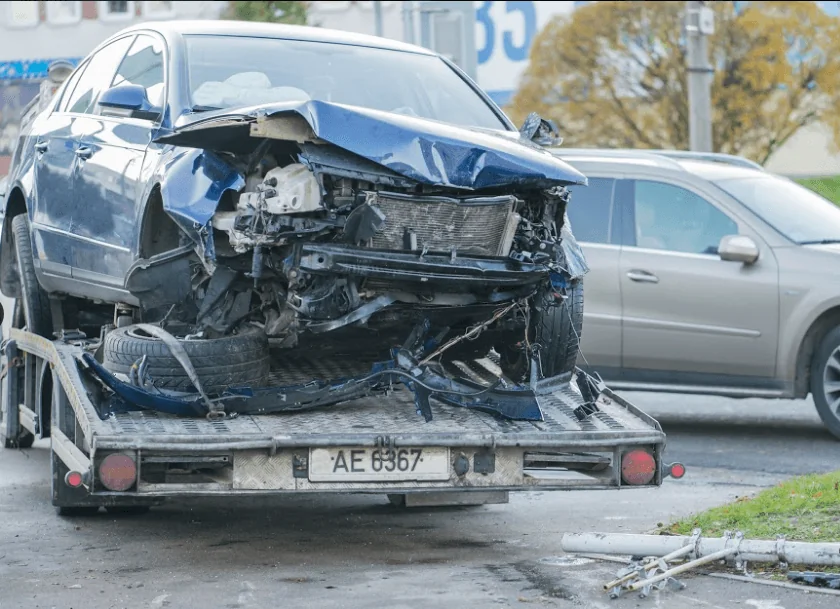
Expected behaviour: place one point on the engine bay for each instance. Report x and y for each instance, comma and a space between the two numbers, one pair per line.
316, 239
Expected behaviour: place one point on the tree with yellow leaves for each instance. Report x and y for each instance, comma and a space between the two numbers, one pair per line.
613, 74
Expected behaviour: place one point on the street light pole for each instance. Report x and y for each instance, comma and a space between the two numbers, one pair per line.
377, 18
408, 21
699, 25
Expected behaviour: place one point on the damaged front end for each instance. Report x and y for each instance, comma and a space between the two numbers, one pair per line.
330, 218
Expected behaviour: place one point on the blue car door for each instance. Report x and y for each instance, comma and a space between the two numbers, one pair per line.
59, 160
52, 163
108, 189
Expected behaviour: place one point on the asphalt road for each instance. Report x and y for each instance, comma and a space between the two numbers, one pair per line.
357, 551
768, 437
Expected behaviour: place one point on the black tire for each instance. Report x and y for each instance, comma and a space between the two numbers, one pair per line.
18, 437
127, 510
36, 303
825, 380
77, 512
557, 328
24, 440
236, 360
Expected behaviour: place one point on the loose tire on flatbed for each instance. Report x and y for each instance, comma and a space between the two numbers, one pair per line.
231, 361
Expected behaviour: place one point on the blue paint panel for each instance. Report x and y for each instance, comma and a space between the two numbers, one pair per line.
427, 151
26, 69
192, 184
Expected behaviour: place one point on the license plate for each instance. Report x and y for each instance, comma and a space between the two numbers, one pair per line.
356, 464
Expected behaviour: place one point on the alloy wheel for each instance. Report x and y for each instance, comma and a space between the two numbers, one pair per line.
831, 382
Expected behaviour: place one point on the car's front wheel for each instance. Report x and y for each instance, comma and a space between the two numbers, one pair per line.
825, 380
34, 300
555, 328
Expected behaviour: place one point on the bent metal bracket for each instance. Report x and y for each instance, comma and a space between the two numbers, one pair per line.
516, 403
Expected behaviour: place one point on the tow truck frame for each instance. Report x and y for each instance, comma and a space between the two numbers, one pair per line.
50, 391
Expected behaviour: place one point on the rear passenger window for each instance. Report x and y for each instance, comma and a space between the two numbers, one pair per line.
590, 210
96, 76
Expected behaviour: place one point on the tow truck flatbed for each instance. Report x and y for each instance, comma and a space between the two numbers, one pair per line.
375, 444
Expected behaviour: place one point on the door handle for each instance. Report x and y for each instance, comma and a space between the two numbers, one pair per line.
41, 147
642, 276
83, 152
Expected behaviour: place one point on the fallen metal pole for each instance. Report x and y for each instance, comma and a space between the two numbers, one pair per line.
650, 565
778, 550
642, 583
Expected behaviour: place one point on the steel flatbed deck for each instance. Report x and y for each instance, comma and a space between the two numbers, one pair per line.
287, 452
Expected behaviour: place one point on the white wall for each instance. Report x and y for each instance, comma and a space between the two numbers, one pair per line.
358, 17
808, 153
504, 32
50, 41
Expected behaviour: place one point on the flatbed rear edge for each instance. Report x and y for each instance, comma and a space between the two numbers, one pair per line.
485, 454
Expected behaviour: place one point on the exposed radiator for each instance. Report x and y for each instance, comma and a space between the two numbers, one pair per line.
482, 226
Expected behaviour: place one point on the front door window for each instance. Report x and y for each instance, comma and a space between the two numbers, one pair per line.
668, 217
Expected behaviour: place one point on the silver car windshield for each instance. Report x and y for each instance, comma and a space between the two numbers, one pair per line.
796, 212
228, 71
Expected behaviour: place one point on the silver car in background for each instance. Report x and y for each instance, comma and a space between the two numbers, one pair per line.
708, 276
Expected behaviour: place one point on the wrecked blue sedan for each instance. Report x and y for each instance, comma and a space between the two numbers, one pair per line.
246, 188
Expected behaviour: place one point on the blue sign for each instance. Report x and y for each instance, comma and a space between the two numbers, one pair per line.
29, 69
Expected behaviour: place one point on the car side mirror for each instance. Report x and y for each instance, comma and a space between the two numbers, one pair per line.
540, 131
738, 248
128, 101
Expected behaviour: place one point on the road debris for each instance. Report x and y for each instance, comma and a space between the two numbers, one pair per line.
827, 580
648, 574
649, 567
778, 551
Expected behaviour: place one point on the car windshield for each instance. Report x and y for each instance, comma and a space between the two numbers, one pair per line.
796, 212
228, 71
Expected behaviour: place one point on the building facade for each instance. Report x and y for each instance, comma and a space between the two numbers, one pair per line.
34, 33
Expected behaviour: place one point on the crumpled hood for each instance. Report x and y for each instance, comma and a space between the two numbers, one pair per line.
427, 151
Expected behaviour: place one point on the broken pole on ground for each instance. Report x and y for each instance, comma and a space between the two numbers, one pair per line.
752, 550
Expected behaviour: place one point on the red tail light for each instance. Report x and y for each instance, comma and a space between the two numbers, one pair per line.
638, 467
73, 479
117, 472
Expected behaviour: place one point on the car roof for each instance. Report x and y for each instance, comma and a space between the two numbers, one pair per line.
709, 166
615, 157
711, 170
272, 30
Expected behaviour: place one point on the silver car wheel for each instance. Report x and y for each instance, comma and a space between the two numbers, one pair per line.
831, 382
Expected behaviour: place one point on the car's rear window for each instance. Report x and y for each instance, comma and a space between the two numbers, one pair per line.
229, 71
796, 212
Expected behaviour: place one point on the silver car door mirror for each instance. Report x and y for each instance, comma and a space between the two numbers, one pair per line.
738, 248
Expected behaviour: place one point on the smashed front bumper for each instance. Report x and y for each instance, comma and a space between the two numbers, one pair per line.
440, 270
